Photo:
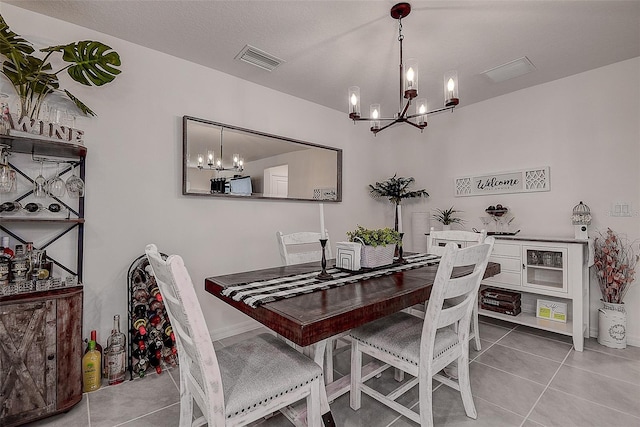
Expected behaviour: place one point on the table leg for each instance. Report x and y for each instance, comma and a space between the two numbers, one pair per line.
318, 350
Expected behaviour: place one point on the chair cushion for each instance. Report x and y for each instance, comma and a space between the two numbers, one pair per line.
260, 369
399, 335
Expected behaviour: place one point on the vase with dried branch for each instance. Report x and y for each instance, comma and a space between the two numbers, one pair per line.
615, 262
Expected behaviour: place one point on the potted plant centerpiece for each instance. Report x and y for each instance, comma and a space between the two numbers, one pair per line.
615, 263
88, 62
378, 245
447, 217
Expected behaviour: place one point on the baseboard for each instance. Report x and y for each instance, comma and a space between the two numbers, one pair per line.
234, 329
631, 340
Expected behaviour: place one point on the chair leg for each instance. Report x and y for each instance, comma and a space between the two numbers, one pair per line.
314, 416
186, 406
425, 393
464, 382
355, 398
398, 375
475, 330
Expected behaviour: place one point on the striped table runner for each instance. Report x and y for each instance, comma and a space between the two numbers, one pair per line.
262, 292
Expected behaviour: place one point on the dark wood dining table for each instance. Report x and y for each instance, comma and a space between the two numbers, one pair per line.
308, 320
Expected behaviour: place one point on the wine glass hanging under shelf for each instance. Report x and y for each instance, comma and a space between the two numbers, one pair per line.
152, 346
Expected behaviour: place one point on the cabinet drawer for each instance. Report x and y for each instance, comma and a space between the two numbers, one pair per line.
507, 264
507, 278
505, 249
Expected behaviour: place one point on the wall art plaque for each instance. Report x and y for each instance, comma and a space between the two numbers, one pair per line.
521, 181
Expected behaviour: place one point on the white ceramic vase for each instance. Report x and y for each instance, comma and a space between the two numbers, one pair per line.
612, 325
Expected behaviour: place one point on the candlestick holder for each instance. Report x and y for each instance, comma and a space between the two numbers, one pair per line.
400, 259
323, 274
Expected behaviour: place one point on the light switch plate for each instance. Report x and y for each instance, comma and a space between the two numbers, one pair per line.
621, 209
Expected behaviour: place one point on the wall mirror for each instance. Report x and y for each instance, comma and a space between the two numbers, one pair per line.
227, 161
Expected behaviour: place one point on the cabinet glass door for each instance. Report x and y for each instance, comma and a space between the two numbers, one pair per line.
545, 268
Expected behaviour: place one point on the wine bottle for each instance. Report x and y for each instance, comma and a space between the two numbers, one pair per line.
155, 293
91, 369
46, 267
99, 350
155, 337
154, 360
28, 252
5, 265
169, 356
141, 296
156, 321
140, 311
169, 340
19, 266
140, 366
10, 207
156, 306
33, 207
140, 325
115, 354
140, 341
6, 248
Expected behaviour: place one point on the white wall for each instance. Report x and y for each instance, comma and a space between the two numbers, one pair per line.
134, 173
585, 127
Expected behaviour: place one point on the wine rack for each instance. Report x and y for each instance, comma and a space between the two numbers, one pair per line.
152, 346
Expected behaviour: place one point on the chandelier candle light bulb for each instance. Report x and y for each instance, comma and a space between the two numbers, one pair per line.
421, 111
451, 89
411, 79
354, 102
375, 115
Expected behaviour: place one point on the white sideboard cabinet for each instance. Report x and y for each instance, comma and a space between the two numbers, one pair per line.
549, 269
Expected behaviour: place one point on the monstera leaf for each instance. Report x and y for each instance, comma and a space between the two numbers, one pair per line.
85, 110
93, 62
12, 45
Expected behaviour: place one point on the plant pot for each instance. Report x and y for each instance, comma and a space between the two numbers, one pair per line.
446, 226
612, 325
376, 256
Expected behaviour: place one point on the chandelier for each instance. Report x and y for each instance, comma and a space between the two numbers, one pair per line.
408, 90
216, 164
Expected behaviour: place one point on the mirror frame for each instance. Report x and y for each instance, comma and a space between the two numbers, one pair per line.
338, 151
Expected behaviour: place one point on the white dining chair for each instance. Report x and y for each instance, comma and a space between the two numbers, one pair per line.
301, 247
436, 241
424, 347
235, 385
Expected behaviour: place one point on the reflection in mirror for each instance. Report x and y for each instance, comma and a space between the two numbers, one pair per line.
227, 161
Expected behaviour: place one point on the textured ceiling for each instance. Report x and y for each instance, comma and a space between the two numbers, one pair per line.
331, 45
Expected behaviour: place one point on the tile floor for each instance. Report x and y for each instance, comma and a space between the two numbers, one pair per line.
522, 377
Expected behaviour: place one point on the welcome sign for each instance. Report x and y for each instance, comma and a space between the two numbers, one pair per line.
522, 181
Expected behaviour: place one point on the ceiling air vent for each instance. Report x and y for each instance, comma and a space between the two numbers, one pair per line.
510, 70
259, 58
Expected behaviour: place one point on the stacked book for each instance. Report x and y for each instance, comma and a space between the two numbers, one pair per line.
500, 301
